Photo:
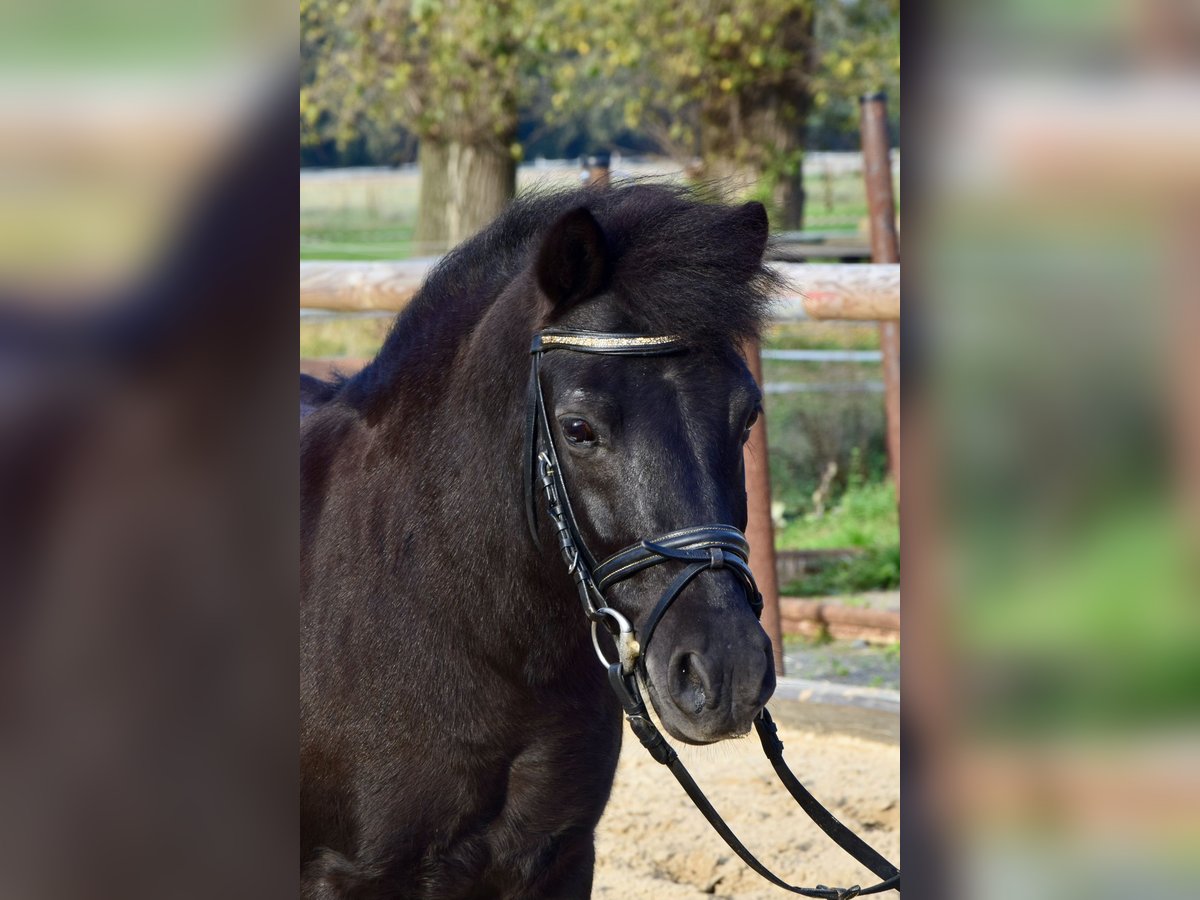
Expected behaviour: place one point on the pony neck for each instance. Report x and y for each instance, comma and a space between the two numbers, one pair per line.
515, 588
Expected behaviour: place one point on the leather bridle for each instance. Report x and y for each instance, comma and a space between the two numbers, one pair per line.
699, 548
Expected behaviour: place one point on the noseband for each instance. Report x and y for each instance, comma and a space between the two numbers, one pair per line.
699, 548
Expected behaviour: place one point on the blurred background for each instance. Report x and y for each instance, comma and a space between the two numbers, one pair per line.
148, 530
1052, 520
1052, 670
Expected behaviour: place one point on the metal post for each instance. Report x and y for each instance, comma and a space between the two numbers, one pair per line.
760, 531
885, 248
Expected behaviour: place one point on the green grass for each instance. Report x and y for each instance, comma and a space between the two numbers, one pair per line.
357, 235
877, 569
822, 336
866, 516
372, 215
359, 338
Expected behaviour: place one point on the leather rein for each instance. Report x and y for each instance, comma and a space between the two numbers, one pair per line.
699, 548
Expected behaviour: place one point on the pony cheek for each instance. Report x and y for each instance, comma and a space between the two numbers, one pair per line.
595, 502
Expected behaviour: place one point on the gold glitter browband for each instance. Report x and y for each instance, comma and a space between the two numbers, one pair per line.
600, 343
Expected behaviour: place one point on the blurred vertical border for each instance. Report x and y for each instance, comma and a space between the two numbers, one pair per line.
148, 512
1052, 628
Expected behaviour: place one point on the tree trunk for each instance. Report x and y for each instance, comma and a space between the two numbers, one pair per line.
753, 139
480, 180
790, 197
433, 197
463, 187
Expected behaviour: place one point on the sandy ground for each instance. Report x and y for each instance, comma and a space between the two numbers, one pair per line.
652, 843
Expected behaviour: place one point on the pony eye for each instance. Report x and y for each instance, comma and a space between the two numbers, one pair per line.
578, 431
749, 425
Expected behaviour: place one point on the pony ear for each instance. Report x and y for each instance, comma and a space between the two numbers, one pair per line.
752, 227
572, 264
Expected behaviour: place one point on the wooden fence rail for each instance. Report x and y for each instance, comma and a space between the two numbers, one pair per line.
851, 291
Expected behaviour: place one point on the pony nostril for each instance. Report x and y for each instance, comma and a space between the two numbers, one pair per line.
689, 681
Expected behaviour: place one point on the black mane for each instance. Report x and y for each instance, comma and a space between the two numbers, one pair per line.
681, 266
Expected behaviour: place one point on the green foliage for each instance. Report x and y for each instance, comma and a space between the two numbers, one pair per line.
808, 431
453, 71
725, 82
866, 516
729, 81
877, 569
859, 53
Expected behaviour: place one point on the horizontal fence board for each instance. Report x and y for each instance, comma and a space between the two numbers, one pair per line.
812, 617
847, 356
863, 292
351, 286
827, 387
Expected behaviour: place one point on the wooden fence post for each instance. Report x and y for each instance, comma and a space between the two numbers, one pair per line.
598, 172
760, 531
885, 248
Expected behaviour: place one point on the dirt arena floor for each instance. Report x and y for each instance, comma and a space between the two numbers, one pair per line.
652, 843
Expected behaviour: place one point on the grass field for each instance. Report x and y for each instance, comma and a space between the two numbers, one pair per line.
371, 214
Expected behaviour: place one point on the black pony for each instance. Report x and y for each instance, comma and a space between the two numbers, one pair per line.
458, 735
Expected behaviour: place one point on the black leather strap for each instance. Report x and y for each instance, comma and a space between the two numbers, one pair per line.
533, 401
768, 735
674, 589
636, 557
